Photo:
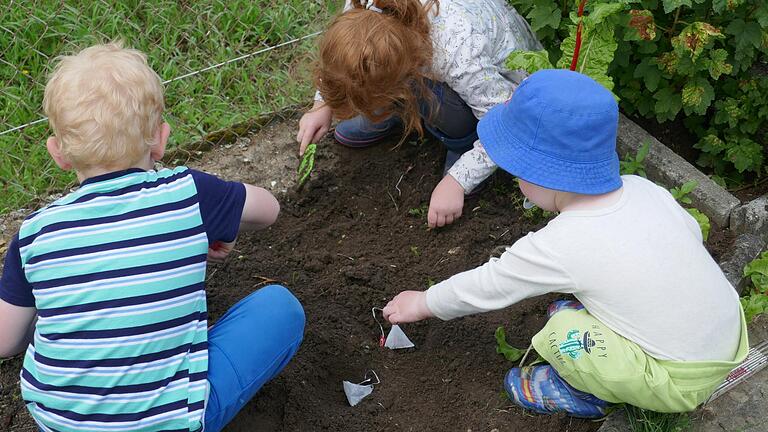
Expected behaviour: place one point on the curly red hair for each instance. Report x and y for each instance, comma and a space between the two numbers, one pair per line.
376, 63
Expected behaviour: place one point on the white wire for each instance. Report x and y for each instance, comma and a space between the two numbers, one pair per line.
242, 57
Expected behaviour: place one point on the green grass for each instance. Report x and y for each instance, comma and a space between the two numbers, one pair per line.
179, 37
641, 420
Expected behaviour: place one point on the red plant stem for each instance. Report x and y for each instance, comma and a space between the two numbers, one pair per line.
577, 48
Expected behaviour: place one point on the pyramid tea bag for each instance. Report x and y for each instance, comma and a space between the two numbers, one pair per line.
357, 392
397, 339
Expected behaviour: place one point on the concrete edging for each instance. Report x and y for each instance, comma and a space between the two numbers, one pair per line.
667, 168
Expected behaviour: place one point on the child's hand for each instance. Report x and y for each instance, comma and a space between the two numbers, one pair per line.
313, 125
406, 307
218, 251
446, 203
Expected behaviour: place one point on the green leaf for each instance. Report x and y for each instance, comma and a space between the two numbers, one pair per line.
502, 347
761, 15
668, 104
597, 48
757, 272
681, 193
306, 165
711, 144
719, 6
717, 63
544, 14
695, 37
747, 155
649, 71
642, 25
670, 5
748, 35
697, 96
754, 305
601, 11
635, 165
529, 61
703, 221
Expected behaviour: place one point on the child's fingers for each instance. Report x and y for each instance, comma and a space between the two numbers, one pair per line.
440, 220
431, 217
320, 134
449, 219
388, 310
306, 139
393, 317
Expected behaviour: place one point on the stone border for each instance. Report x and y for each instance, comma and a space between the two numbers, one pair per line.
749, 221
667, 168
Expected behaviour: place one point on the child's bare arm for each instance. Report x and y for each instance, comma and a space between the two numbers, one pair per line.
260, 209
17, 325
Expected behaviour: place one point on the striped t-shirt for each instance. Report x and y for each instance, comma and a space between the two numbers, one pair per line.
116, 271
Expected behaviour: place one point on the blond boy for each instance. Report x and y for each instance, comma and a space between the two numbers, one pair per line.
104, 288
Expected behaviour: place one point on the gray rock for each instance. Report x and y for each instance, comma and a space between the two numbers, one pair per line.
751, 217
667, 168
616, 422
746, 247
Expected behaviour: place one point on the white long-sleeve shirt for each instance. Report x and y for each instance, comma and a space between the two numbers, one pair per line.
472, 40
638, 266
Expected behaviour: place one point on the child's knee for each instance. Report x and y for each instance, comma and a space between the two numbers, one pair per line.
288, 311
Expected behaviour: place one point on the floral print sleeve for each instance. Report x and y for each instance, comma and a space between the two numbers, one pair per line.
472, 40
472, 168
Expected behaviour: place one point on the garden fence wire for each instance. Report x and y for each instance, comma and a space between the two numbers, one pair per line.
224, 63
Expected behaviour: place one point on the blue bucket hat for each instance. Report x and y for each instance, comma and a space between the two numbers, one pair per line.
558, 131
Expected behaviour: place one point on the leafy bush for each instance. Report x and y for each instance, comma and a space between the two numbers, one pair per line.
755, 302
699, 58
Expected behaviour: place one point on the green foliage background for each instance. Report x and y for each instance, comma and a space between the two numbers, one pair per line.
703, 60
178, 37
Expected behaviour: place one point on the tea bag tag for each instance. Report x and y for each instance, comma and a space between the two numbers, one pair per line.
356, 392
397, 339
527, 204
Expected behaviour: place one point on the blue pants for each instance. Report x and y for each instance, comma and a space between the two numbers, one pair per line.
249, 346
446, 116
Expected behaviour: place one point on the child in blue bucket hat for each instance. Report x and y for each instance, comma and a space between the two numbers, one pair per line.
656, 324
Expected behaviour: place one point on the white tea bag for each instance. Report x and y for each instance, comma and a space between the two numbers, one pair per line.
356, 392
397, 339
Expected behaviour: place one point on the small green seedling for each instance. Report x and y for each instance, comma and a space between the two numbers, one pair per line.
430, 282
703, 221
306, 165
508, 351
635, 165
415, 251
419, 212
755, 301
681, 193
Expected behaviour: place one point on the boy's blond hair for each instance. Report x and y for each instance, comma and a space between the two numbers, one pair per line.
104, 105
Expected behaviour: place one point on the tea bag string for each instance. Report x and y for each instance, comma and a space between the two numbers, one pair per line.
368, 380
383, 337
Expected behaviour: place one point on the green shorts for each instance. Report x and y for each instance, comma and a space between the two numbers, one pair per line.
594, 359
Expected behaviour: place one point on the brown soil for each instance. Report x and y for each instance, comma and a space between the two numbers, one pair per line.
346, 243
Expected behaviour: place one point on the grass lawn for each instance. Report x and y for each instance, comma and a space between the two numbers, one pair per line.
179, 37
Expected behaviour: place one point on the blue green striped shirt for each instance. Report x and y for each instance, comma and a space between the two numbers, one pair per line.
116, 271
